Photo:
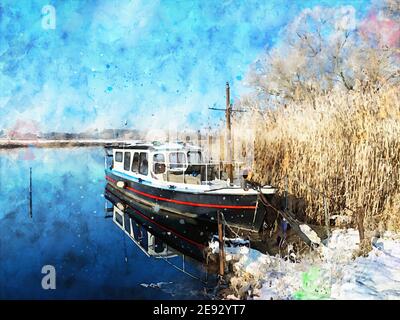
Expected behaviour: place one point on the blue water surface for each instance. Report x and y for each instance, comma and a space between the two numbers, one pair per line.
93, 258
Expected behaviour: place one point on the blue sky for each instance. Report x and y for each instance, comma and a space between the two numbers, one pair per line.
153, 63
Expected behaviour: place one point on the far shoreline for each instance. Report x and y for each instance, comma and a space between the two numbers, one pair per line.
14, 144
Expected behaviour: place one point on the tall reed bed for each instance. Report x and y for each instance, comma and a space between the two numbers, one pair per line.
344, 147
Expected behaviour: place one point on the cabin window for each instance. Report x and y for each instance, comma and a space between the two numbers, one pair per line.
144, 239
119, 219
135, 232
176, 160
135, 162
144, 164
194, 157
118, 157
159, 246
127, 223
127, 160
159, 163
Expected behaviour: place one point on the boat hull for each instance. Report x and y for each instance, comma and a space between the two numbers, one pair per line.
242, 211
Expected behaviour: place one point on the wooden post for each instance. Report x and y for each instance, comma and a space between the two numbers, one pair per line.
199, 138
210, 139
286, 193
326, 217
221, 154
221, 246
360, 223
233, 158
229, 132
30, 192
221, 147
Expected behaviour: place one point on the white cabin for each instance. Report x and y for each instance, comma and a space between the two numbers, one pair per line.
174, 162
174, 165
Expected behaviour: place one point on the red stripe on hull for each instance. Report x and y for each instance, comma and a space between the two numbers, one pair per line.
193, 204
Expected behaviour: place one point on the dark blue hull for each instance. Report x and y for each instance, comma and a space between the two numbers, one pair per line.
242, 211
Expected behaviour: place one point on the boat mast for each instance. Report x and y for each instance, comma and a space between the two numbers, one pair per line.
228, 112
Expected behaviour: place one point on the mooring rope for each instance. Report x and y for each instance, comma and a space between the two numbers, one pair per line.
289, 218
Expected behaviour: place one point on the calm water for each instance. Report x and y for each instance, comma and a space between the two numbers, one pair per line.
93, 258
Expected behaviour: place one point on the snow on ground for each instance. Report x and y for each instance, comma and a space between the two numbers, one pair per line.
330, 272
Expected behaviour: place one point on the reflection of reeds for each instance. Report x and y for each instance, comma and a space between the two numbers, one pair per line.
344, 145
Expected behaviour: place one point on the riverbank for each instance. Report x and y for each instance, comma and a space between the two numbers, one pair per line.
333, 271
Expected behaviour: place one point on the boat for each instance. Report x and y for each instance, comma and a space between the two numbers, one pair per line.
172, 178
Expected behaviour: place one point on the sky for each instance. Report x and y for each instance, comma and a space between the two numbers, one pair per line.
138, 64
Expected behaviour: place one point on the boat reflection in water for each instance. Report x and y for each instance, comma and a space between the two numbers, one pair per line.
180, 241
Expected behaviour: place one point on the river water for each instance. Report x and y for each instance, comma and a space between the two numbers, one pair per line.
92, 257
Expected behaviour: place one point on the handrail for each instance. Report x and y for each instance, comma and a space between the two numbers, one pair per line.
200, 163
182, 167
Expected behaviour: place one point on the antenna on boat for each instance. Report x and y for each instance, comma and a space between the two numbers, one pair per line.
228, 112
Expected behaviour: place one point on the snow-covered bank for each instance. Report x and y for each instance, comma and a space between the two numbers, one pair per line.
330, 272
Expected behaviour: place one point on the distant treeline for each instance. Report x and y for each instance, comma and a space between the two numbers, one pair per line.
88, 135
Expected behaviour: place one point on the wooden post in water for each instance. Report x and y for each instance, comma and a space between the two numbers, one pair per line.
30, 192
221, 246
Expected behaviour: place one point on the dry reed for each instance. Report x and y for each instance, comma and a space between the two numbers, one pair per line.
343, 147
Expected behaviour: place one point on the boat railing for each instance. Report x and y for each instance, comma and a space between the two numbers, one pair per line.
208, 171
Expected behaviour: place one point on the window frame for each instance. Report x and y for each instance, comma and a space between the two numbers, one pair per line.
180, 166
120, 215
136, 162
125, 165
140, 163
127, 223
198, 155
159, 163
122, 156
